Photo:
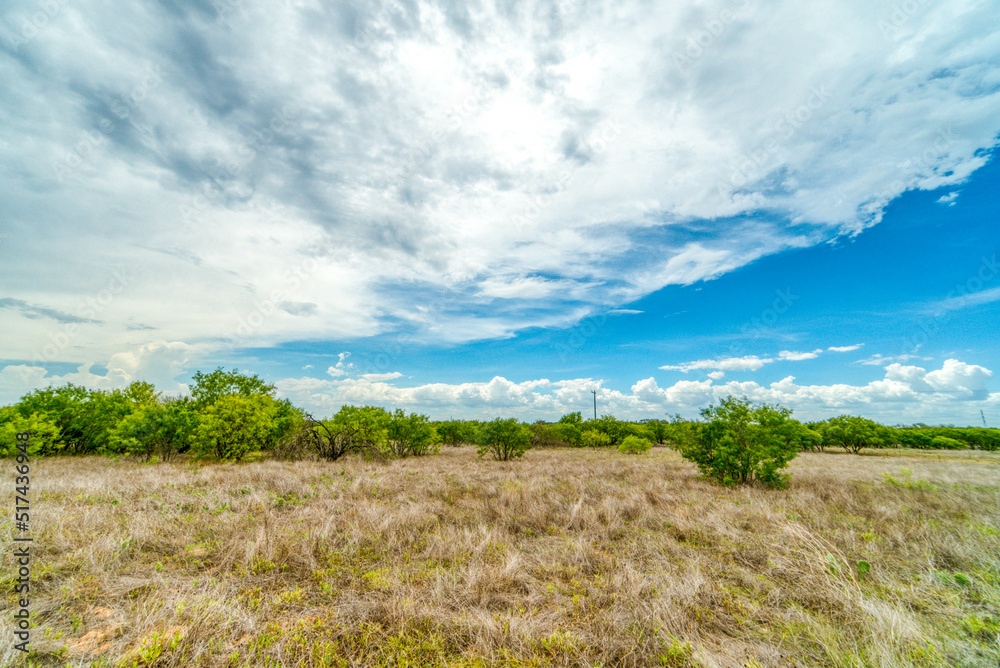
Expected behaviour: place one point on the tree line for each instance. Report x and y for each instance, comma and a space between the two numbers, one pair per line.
233, 416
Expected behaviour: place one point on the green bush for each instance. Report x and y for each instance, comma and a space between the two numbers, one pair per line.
945, 443
362, 430
634, 445
742, 443
504, 439
680, 433
210, 387
411, 435
156, 429
84, 418
457, 432
854, 433
235, 425
44, 439
595, 439
613, 428
555, 435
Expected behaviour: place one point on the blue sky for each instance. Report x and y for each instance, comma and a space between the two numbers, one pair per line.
475, 209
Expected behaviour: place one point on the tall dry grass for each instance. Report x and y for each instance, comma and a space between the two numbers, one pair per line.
566, 558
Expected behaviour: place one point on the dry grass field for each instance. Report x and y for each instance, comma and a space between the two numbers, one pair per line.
566, 558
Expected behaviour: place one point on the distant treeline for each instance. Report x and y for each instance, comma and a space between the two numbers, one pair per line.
234, 416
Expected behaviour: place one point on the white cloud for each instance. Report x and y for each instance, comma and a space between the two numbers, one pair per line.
342, 367
878, 360
445, 159
904, 394
951, 394
948, 199
956, 376
794, 356
746, 363
844, 349
158, 362
967, 300
381, 376
717, 375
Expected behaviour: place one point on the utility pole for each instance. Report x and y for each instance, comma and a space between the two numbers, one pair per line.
595, 403
983, 415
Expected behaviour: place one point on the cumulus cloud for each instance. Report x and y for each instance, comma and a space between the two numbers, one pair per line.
904, 393
291, 171
342, 367
952, 394
157, 362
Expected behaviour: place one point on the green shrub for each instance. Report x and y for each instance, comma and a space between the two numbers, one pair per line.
595, 439
156, 429
634, 445
411, 435
945, 443
457, 432
44, 439
504, 439
364, 430
210, 387
235, 425
854, 433
612, 427
555, 435
743, 442
679, 433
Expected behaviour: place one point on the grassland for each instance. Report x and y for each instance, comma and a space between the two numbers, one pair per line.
566, 558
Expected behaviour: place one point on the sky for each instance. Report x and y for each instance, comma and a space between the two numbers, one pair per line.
472, 209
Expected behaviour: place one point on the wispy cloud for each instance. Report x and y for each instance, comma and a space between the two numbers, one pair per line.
746, 363
845, 349
751, 362
948, 199
35, 311
796, 356
967, 300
